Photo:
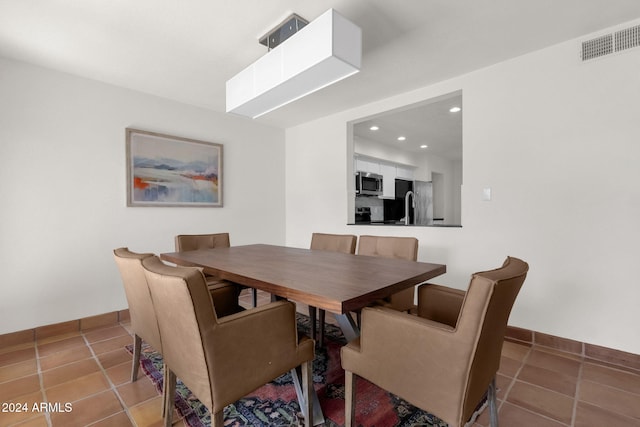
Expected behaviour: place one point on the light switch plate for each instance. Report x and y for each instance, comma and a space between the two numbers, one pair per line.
486, 194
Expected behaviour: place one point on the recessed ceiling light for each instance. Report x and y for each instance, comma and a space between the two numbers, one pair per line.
455, 109
402, 138
423, 146
374, 128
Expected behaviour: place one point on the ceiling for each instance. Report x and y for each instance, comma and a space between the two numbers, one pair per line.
428, 123
187, 50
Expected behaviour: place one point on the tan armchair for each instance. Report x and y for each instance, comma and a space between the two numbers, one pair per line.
143, 318
392, 247
222, 359
446, 358
345, 243
193, 242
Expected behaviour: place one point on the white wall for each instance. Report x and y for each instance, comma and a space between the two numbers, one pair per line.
558, 143
63, 199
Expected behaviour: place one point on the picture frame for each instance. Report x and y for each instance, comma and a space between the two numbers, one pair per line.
165, 170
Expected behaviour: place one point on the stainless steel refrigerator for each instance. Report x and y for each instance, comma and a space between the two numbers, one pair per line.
422, 198
423, 211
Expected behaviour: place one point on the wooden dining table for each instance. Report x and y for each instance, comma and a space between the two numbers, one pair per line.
333, 281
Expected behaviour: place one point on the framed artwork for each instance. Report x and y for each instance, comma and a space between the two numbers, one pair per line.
165, 170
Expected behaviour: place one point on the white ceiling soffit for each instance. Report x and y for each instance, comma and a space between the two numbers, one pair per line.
324, 52
186, 51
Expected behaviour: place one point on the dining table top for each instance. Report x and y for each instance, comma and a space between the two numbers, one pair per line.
332, 281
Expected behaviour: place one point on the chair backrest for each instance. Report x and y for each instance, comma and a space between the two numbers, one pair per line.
143, 316
192, 242
487, 306
389, 247
185, 315
345, 243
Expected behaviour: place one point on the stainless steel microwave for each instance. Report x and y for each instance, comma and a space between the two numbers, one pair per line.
368, 184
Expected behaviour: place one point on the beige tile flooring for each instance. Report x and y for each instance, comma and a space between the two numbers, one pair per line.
538, 386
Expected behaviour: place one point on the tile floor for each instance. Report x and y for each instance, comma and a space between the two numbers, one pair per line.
538, 386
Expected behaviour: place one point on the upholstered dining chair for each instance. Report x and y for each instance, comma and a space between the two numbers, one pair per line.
445, 359
143, 317
222, 359
192, 242
392, 247
345, 243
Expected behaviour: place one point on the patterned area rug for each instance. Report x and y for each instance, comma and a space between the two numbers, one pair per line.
275, 404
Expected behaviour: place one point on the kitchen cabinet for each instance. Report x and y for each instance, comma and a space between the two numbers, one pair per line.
365, 165
388, 173
404, 172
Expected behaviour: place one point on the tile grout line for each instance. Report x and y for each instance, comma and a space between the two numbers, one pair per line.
538, 414
43, 393
103, 372
537, 385
577, 396
515, 377
112, 386
512, 383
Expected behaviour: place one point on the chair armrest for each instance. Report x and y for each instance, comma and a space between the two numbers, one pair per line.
440, 303
225, 297
403, 353
266, 323
213, 284
262, 343
380, 324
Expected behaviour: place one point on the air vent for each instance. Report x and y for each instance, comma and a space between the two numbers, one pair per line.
596, 48
626, 39
610, 43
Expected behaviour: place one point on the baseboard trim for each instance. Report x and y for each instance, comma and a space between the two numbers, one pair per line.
587, 351
91, 322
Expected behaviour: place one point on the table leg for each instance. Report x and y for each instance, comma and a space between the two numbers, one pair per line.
312, 320
348, 326
318, 416
321, 320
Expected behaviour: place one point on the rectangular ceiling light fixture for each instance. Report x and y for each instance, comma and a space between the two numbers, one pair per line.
325, 51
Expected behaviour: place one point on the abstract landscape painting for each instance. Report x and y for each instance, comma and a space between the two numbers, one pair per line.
164, 170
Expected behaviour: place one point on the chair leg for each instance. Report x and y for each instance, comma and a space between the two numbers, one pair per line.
254, 293
350, 399
307, 387
312, 320
217, 419
165, 381
137, 347
169, 394
321, 319
493, 407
